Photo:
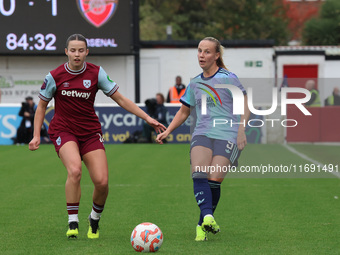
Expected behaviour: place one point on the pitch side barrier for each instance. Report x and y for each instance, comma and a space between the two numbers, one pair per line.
322, 126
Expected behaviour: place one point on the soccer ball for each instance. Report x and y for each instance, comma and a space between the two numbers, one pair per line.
146, 237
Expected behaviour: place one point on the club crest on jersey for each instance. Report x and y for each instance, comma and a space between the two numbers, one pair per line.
97, 12
58, 141
87, 83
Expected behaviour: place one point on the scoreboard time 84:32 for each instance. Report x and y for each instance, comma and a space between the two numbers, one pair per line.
41, 27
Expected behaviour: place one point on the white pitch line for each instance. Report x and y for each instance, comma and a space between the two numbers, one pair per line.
301, 155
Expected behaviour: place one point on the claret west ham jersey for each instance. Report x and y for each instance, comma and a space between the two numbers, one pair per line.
74, 93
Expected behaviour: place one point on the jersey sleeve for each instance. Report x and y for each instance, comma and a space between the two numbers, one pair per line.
237, 83
48, 88
188, 99
108, 86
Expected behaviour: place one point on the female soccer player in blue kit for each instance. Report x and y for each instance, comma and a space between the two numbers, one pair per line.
212, 146
75, 129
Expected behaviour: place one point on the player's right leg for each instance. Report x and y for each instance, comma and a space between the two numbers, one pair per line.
96, 163
201, 157
69, 155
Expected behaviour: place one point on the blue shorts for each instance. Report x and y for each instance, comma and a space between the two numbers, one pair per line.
219, 147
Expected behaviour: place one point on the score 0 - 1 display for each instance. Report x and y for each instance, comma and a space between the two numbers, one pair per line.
40, 27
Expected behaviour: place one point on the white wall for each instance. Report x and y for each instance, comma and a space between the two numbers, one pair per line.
159, 67
332, 69
235, 60
121, 70
332, 76
34, 69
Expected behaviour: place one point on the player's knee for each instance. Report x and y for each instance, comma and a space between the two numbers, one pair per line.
74, 173
102, 185
216, 179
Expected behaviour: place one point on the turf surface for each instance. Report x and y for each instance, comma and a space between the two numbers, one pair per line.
258, 213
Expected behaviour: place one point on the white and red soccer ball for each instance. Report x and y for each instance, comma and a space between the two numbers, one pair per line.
146, 237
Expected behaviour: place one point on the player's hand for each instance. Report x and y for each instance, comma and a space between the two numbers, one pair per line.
160, 137
241, 140
34, 143
155, 124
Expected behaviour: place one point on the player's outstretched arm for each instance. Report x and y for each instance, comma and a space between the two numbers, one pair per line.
182, 114
38, 122
241, 135
130, 106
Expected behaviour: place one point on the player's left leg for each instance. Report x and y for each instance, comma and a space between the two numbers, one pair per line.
225, 155
215, 179
96, 163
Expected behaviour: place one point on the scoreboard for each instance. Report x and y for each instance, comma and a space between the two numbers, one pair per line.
41, 27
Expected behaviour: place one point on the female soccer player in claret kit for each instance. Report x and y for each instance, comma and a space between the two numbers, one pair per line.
75, 129
213, 146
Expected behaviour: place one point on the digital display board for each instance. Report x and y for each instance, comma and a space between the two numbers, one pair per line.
39, 27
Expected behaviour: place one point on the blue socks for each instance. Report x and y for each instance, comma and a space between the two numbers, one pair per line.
215, 189
202, 192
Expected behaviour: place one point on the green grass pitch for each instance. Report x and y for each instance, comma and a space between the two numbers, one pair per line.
258, 214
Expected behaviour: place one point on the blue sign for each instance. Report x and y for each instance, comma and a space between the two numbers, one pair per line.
118, 125
9, 123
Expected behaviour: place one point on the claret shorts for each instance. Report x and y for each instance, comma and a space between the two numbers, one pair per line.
85, 143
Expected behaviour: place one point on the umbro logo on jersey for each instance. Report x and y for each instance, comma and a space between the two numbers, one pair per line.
87, 83
66, 84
